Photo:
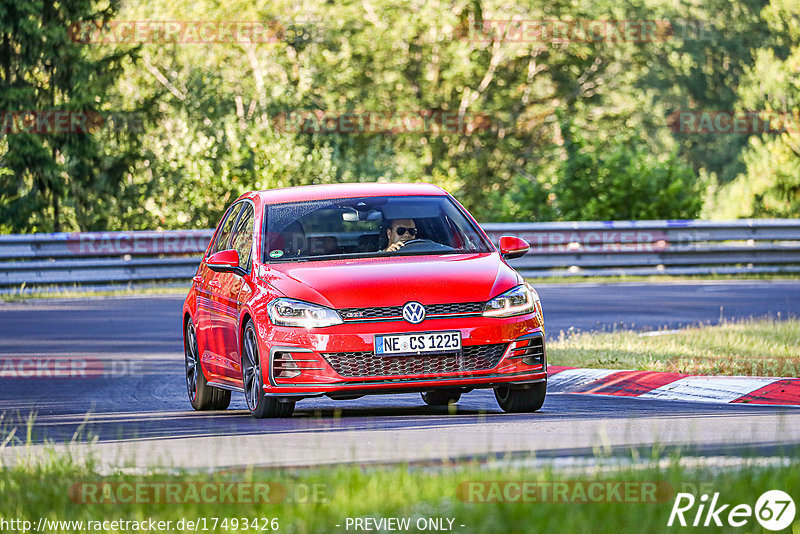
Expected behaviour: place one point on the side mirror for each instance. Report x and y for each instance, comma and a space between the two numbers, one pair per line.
513, 247
225, 261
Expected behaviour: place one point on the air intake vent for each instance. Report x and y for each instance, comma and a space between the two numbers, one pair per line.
283, 366
530, 350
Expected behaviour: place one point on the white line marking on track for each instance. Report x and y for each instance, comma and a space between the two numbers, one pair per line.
708, 388
571, 379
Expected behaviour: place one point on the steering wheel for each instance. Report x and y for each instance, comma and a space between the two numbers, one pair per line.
425, 245
416, 242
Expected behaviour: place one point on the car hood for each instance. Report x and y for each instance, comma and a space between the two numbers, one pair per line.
375, 282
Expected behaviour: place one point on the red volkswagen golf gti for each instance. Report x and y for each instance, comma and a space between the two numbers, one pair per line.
356, 289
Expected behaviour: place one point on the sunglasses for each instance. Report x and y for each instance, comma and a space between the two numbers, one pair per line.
401, 230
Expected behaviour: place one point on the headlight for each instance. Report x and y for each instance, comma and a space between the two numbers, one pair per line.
517, 301
290, 312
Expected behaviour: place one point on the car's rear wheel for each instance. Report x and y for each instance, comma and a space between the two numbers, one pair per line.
441, 397
201, 395
259, 404
518, 400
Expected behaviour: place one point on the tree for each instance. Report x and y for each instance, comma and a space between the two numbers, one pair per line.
769, 185
625, 182
701, 68
53, 172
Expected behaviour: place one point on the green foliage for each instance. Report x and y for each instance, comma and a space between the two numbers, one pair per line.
769, 188
210, 110
473, 493
54, 179
702, 67
770, 184
753, 347
623, 181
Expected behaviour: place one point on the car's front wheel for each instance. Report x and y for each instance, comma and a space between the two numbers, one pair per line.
519, 400
201, 395
441, 397
259, 404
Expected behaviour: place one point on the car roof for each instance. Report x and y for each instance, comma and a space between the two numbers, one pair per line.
350, 190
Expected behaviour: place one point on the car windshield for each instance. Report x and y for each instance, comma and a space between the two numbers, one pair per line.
361, 227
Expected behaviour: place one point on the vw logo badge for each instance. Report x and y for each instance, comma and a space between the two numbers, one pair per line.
414, 312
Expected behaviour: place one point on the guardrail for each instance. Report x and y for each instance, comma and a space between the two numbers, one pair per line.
35, 261
632, 248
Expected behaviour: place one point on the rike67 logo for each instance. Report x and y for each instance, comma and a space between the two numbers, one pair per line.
774, 510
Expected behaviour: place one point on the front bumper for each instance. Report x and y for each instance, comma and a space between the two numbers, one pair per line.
308, 371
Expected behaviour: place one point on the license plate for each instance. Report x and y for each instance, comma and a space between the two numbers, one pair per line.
418, 343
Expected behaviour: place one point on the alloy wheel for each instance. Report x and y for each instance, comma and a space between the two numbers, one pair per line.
251, 369
192, 362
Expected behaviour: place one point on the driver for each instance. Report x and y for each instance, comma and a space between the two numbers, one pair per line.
399, 232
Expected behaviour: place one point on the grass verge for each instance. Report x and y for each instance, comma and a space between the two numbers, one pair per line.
322, 500
754, 347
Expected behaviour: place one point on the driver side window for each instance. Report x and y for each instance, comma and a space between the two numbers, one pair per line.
225, 231
242, 239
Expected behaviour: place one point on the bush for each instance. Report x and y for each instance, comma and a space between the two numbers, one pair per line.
624, 182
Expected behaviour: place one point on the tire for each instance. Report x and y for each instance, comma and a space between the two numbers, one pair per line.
202, 396
527, 400
441, 397
259, 404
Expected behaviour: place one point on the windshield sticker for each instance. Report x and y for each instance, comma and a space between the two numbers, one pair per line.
276, 253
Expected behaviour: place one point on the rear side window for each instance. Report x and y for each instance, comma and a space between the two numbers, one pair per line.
226, 229
242, 238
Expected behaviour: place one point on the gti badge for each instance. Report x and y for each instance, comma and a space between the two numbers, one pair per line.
414, 312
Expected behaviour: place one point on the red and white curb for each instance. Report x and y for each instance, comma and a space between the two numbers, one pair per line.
674, 386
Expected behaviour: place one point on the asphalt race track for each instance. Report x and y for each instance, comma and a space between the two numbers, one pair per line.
139, 412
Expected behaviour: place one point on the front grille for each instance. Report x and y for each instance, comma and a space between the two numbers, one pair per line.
453, 309
354, 314
365, 363
458, 308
